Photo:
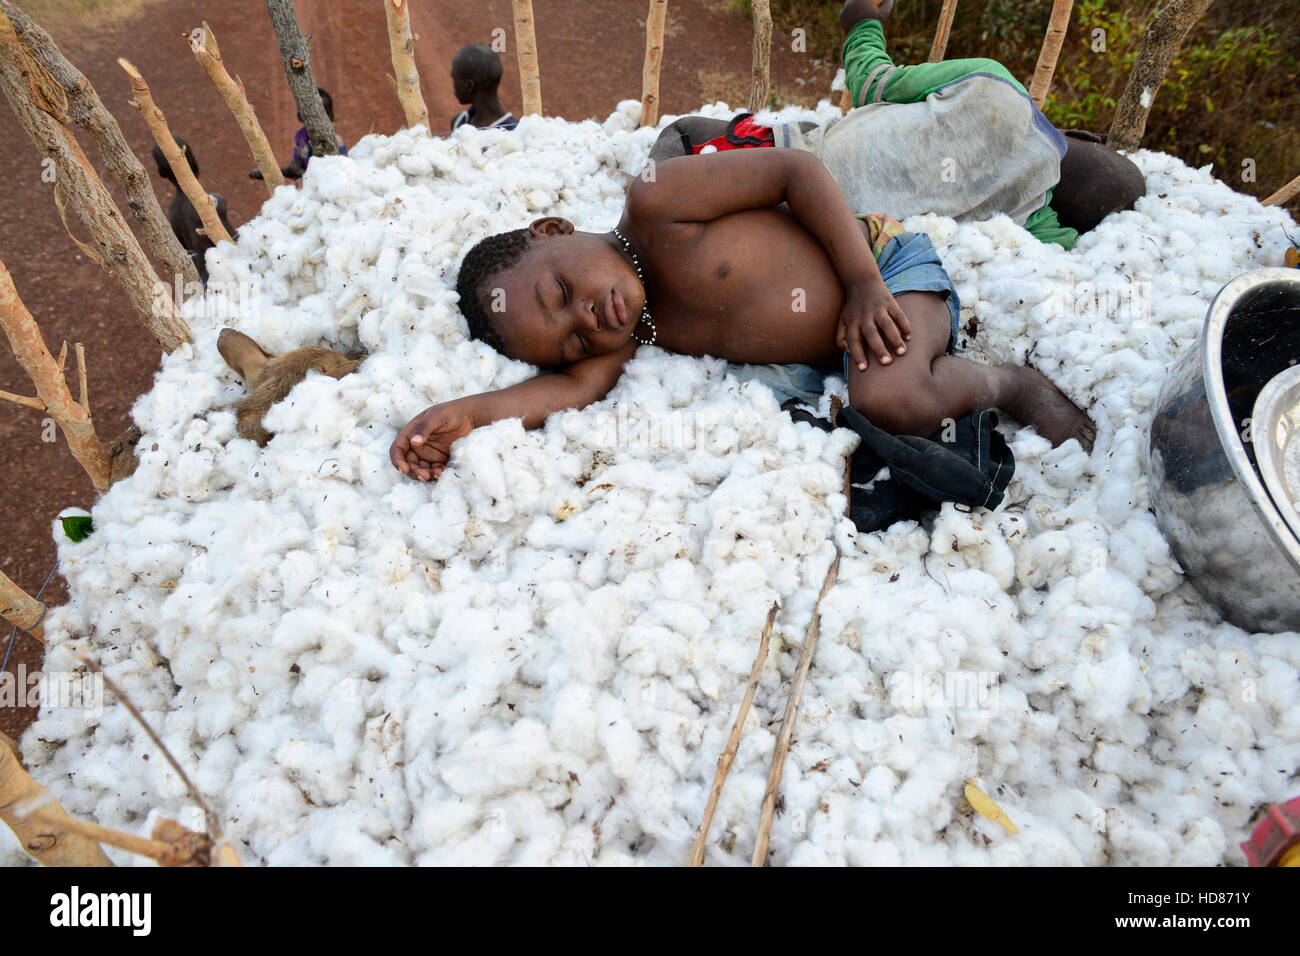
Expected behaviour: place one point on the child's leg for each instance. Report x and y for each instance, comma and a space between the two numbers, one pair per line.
871, 75
918, 390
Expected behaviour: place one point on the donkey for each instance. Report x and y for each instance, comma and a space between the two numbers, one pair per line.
269, 377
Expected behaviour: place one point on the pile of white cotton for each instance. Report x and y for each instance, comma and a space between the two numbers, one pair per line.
538, 658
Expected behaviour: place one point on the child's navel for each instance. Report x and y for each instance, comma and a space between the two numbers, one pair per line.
723, 270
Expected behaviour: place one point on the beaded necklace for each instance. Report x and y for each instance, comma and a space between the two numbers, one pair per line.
645, 309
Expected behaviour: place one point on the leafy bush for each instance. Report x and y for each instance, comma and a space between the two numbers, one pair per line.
1232, 95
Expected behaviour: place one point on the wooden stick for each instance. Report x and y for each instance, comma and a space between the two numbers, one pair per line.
788, 721
178, 847
296, 53
402, 46
1285, 194
51, 386
118, 250
530, 79
1051, 50
84, 108
203, 42
21, 609
162, 135
654, 55
12, 744
93, 832
846, 101
760, 85
940, 45
226, 856
35, 403
1163, 38
733, 742
84, 399
46, 835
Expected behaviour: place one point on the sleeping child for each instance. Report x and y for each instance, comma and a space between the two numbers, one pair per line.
750, 255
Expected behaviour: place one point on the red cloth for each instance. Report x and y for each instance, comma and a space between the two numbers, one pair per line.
743, 134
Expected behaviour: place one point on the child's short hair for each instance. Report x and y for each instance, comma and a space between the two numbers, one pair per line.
488, 257
478, 62
164, 167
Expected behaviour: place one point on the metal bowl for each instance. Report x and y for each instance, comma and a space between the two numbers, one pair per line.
1209, 501
1275, 436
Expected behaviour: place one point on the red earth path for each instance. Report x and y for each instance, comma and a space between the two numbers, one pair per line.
590, 55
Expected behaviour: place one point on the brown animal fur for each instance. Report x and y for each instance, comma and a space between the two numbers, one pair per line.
269, 378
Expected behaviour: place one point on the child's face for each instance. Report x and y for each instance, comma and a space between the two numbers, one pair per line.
461, 86
570, 297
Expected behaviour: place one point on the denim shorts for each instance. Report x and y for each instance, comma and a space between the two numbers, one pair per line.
908, 263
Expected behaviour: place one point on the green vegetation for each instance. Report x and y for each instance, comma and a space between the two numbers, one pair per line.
1232, 96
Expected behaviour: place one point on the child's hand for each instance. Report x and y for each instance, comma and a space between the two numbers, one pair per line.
856, 11
871, 316
422, 448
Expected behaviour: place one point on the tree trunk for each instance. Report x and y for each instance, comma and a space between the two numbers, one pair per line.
760, 86
294, 47
1159, 47
175, 156
1051, 51
941, 33
654, 56
114, 246
44, 836
530, 78
51, 387
402, 46
203, 42
86, 110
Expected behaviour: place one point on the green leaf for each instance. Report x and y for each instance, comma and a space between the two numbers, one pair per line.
77, 527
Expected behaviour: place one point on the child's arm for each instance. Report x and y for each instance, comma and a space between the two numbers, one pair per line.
870, 73
294, 170
422, 448
701, 188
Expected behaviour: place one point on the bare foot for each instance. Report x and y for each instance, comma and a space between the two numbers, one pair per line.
1043, 405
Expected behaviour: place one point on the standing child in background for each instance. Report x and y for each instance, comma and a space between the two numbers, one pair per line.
475, 76
182, 215
302, 144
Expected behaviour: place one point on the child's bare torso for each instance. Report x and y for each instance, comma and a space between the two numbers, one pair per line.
752, 286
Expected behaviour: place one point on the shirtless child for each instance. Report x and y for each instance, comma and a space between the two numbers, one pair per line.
703, 262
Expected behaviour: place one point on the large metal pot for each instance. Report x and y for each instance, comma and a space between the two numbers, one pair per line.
1209, 500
